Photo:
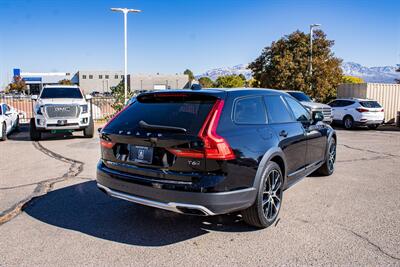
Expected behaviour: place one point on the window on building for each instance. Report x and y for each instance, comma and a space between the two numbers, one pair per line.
107, 77
250, 110
277, 110
122, 76
100, 76
83, 76
116, 76
90, 76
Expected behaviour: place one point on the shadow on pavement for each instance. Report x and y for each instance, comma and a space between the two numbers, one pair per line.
23, 135
85, 209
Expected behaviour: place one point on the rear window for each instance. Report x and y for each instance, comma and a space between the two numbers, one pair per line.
370, 104
61, 92
187, 112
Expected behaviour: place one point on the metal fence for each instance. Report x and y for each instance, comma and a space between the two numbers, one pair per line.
101, 106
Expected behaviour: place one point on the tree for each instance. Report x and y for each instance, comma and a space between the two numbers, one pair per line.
352, 79
229, 81
65, 82
242, 77
119, 94
206, 82
190, 74
285, 65
18, 84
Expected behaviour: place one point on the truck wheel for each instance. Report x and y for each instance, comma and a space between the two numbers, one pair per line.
88, 132
33, 132
265, 209
3, 132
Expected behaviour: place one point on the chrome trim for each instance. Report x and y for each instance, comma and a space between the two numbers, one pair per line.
171, 206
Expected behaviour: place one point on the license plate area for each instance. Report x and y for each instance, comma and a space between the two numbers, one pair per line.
140, 154
61, 122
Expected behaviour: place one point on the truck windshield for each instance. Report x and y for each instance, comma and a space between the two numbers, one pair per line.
300, 96
61, 92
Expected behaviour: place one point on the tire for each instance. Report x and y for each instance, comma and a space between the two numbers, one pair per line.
16, 128
33, 132
269, 199
329, 166
348, 122
88, 132
3, 132
373, 126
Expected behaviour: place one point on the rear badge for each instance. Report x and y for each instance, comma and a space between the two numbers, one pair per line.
193, 163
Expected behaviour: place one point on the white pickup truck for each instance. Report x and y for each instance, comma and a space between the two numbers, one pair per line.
61, 108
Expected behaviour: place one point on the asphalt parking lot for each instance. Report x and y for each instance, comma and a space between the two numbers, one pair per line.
349, 218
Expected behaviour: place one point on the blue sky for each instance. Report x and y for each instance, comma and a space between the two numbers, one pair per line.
169, 36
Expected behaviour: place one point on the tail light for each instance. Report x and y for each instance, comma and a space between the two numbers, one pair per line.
106, 144
215, 146
362, 110
382, 110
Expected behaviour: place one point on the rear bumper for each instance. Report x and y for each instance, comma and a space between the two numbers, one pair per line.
194, 203
368, 122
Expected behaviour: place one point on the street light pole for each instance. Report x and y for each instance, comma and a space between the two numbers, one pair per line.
125, 11
312, 26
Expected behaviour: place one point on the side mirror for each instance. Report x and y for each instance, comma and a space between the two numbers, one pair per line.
317, 116
88, 97
34, 97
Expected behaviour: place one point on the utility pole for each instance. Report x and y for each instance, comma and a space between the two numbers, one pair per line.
125, 11
312, 26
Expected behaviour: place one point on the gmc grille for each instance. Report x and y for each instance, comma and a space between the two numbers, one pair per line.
62, 111
326, 111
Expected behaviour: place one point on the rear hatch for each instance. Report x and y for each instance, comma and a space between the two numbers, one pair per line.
371, 110
166, 136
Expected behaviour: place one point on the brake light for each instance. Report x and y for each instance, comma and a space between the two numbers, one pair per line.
382, 110
170, 95
106, 144
362, 110
187, 153
215, 146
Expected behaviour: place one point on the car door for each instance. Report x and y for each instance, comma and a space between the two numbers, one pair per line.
315, 134
7, 117
335, 105
291, 134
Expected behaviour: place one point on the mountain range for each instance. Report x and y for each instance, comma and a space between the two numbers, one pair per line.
385, 74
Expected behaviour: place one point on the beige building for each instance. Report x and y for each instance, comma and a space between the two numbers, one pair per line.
100, 81
158, 81
388, 95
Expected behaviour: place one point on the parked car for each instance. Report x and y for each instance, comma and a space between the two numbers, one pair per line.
306, 101
9, 120
352, 112
61, 108
95, 93
214, 151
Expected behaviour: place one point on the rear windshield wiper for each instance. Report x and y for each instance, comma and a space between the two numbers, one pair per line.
145, 125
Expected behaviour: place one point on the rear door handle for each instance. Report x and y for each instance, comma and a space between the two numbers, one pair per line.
283, 133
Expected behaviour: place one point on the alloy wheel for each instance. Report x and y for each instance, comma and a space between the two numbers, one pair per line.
272, 195
348, 123
332, 156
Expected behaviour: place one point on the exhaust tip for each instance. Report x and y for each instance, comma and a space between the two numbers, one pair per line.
191, 211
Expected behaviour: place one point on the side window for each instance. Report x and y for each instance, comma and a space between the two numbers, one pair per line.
333, 103
347, 103
300, 113
277, 110
250, 110
1, 110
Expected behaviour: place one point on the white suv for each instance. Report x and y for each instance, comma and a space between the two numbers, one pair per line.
61, 108
353, 112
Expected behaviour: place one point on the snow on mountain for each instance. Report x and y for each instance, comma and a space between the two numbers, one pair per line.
385, 74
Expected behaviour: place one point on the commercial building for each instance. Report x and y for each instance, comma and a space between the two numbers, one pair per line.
388, 95
103, 81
